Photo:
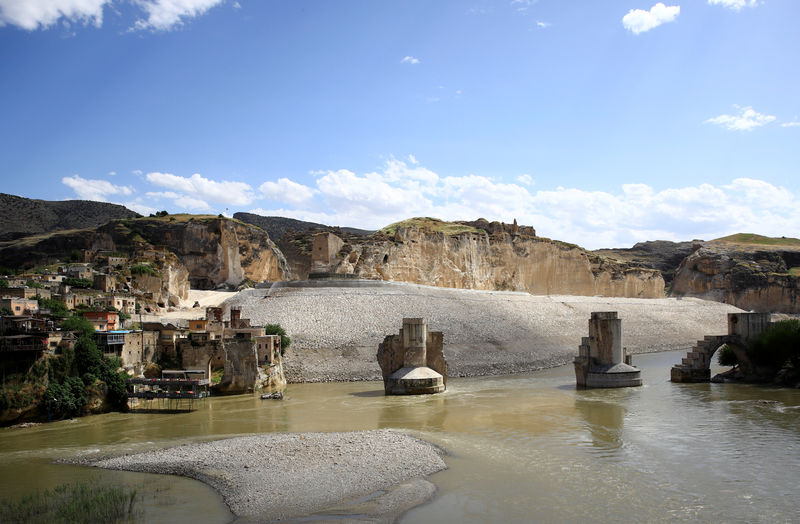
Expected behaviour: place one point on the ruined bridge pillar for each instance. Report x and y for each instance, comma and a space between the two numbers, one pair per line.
412, 363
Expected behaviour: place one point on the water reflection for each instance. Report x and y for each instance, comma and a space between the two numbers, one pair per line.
604, 421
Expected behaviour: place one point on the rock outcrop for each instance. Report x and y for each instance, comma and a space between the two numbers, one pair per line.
662, 255
753, 273
498, 261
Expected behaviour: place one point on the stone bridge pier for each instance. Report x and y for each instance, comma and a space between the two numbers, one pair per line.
742, 327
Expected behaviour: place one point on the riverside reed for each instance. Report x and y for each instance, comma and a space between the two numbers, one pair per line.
73, 503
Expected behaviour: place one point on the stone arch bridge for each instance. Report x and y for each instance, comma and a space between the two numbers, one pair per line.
742, 327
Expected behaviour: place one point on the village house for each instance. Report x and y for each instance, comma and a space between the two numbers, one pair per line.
26, 292
20, 306
103, 320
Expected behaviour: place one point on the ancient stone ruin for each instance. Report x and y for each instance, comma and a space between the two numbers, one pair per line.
601, 360
412, 362
742, 328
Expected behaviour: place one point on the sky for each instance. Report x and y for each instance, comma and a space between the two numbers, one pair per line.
597, 123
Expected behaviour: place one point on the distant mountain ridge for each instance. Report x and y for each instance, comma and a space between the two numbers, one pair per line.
276, 227
22, 217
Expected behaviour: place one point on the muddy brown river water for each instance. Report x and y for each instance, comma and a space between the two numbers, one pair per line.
522, 448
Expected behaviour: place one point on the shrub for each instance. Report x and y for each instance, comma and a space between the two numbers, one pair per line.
726, 356
80, 283
777, 346
143, 269
276, 329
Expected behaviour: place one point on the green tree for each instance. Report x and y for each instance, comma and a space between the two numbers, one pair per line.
6, 311
57, 308
3, 284
276, 329
88, 358
77, 323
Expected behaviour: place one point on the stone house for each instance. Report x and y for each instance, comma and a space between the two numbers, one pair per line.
103, 320
20, 306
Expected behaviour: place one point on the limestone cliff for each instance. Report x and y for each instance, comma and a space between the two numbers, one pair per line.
749, 271
472, 258
215, 250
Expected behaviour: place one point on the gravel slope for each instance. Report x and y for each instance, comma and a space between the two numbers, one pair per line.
336, 329
278, 476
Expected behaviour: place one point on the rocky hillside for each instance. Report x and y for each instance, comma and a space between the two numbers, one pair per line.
749, 271
662, 255
213, 250
488, 256
21, 217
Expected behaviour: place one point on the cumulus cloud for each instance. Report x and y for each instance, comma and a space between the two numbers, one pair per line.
181, 201
159, 15
640, 21
632, 213
747, 120
410, 60
735, 5
287, 191
163, 15
203, 189
41, 14
791, 124
99, 190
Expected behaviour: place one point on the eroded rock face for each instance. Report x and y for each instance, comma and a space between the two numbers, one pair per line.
755, 278
167, 288
500, 261
218, 251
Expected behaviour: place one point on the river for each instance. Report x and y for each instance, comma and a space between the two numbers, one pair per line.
521, 448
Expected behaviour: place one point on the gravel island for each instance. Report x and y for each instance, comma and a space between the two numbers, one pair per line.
370, 476
336, 326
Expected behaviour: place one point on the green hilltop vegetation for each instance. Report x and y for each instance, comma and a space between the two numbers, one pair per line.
432, 224
752, 238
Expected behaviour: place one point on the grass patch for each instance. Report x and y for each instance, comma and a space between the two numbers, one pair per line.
431, 224
795, 271
73, 503
752, 238
216, 376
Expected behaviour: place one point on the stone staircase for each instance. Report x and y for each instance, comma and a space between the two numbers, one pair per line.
694, 367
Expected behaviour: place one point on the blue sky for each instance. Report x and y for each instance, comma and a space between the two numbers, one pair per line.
598, 123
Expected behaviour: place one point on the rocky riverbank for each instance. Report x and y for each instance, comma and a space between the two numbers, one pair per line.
336, 327
370, 476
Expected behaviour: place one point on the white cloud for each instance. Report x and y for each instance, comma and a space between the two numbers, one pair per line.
410, 60
139, 207
735, 5
163, 15
790, 124
747, 120
641, 21
41, 14
543, 25
200, 188
593, 219
287, 191
181, 201
98, 190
